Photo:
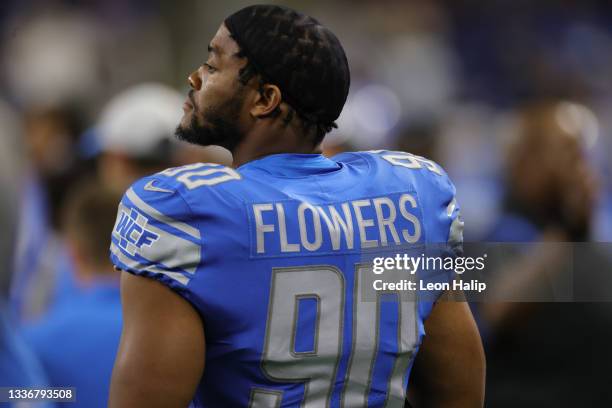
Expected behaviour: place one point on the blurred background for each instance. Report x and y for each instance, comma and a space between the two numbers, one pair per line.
512, 98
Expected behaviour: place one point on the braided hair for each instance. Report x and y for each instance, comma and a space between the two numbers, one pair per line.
299, 55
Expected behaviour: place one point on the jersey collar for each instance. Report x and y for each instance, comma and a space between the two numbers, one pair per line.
293, 165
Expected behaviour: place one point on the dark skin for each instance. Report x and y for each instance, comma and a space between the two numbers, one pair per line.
162, 352
449, 370
215, 83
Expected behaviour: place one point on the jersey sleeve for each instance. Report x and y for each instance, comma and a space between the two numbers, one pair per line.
155, 236
450, 217
443, 219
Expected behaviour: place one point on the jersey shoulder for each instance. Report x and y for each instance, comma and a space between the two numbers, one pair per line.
424, 174
156, 233
201, 188
199, 179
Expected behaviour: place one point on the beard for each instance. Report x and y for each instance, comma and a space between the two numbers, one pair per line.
219, 125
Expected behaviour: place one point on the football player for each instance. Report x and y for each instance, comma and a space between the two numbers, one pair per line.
243, 284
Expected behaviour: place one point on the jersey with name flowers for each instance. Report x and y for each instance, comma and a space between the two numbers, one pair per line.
271, 255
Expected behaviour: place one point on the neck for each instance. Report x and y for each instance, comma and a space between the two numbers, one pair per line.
262, 143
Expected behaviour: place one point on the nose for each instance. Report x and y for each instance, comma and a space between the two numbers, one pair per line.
194, 80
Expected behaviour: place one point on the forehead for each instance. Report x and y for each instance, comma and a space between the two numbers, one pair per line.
223, 44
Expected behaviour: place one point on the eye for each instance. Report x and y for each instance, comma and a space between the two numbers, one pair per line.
209, 67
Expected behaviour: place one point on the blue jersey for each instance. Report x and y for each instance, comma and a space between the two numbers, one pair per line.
271, 256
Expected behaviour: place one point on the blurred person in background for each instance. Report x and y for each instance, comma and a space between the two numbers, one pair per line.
53, 166
18, 365
550, 183
77, 340
134, 134
553, 354
52, 136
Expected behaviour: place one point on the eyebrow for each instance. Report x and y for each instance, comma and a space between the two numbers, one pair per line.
213, 49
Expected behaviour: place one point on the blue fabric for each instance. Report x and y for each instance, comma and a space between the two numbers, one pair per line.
217, 237
77, 341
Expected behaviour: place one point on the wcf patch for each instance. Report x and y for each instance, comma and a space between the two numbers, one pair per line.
131, 229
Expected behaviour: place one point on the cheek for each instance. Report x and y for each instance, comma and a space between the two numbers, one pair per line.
221, 85
215, 91
206, 96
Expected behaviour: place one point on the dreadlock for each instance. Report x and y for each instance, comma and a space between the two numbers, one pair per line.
300, 56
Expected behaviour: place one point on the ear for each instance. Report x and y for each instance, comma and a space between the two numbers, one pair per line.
266, 101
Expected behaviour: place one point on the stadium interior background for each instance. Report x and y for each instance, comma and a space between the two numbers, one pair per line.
512, 98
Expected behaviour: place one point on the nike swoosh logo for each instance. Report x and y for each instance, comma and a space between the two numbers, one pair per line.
150, 187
